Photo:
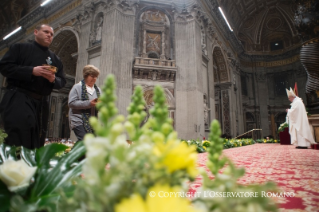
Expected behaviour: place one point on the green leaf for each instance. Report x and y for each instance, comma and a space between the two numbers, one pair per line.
44, 154
51, 201
28, 156
5, 196
48, 181
7, 152
200, 149
48, 202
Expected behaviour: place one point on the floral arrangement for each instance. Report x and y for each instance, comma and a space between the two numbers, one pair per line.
230, 143
270, 140
3, 135
117, 177
282, 127
31, 180
201, 146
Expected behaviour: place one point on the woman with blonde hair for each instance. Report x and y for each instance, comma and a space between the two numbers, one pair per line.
82, 100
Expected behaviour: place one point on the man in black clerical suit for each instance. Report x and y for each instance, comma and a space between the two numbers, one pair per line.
24, 107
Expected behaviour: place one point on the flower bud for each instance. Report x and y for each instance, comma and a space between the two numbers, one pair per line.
119, 118
172, 136
158, 137
166, 129
117, 129
130, 128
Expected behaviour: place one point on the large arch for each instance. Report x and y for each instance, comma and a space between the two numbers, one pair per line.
148, 93
65, 45
221, 64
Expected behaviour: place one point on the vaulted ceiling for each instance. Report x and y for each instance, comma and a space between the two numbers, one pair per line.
13, 10
258, 23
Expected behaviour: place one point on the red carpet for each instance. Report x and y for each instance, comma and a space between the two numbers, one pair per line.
294, 170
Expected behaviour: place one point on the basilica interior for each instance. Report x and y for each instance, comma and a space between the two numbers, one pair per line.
235, 71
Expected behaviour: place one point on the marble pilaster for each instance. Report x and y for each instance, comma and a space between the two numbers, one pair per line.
82, 52
189, 97
117, 53
58, 117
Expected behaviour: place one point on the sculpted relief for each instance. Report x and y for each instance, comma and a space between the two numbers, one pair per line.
154, 16
96, 34
99, 29
203, 41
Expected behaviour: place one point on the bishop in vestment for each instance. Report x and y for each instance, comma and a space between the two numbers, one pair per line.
299, 128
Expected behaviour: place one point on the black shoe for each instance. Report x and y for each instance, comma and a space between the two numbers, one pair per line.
301, 147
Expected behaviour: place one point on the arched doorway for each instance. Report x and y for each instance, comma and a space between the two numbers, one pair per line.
148, 93
65, 45
222, 91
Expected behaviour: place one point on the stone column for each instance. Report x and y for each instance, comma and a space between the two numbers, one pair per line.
163, 45
189, 99
210, 80
58, 117
84, 37
225, 105
117, 53
232, 102
240, 110
144, 43
262, 96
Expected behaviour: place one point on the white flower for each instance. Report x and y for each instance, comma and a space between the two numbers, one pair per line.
96, 151
16, 174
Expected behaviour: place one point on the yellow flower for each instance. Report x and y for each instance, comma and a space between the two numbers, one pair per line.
205, 141
135, 203
165, 199
175, 155
204, 147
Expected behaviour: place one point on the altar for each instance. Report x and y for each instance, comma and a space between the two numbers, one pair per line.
285, 137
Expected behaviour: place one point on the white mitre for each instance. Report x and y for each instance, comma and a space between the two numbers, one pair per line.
290, 93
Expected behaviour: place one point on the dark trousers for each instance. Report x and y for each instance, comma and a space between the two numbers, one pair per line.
79, 132
25, 119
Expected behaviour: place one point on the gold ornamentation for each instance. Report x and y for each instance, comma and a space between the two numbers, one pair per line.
272, 63
55, 16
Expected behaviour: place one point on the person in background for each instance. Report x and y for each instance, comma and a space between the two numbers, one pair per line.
299, 129
82, 100
32, 72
